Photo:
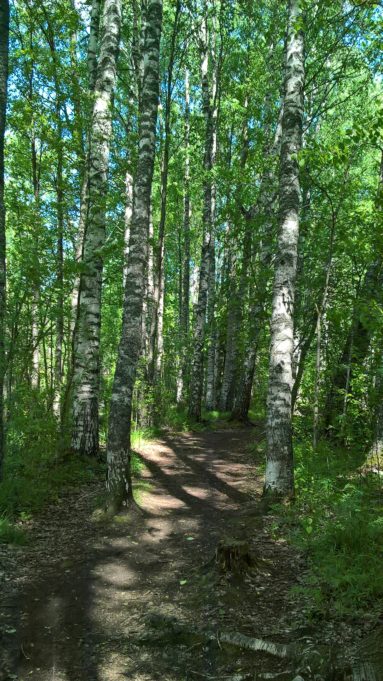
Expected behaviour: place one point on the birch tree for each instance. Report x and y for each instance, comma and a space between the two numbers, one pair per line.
4, 36
158, 321
185, 282
118, 447
86, 377
209, 94
279, 478
92, 57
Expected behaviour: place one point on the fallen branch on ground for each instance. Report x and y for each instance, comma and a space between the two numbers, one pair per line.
318, 663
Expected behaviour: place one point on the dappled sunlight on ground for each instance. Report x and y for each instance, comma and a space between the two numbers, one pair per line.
88, 621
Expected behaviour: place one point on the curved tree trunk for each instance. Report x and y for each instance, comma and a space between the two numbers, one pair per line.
86, 374
118, 448
279, 476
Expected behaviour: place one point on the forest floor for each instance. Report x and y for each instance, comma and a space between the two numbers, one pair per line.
76, 602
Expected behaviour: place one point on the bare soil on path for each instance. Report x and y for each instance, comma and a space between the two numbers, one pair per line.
76, 604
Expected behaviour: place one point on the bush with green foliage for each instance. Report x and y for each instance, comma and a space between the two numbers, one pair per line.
337, 521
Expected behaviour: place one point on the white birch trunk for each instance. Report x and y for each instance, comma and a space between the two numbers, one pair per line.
35, 376
86, 370
4, 36
127, 220
92, 58
207, 254
184, 321
149, 300
232, 331
118, 448
211, 397
279, 478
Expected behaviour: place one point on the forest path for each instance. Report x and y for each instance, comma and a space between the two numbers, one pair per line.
87, 587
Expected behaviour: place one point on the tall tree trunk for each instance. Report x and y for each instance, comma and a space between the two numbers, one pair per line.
149, 301
355, 348
118, 448
128, 221
158, 341
232, 330
211, 382
59, 182
86, 375
93, 43
92, 60
35, 374
377, 445
59, 274
359, 336
184, 321
211, 393
4, 36
266, 210
207, 254
321, 308
279, 478
242, 402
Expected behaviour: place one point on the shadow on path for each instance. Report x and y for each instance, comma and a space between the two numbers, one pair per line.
91, 586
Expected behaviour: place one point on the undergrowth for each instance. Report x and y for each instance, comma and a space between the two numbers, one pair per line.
176, 418
337, 521
36, 469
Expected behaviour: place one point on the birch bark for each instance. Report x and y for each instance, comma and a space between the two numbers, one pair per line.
232, 330
35, 373
158, 341
86, 370
92, 58
4, 36
207, 253
279, 478
118, 448
185, 305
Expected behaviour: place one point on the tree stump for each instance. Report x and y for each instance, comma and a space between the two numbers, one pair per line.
234, 556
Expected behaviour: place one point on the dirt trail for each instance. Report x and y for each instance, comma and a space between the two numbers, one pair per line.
84, 589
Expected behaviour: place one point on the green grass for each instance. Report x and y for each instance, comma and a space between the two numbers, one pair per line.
10, 533
30, 484
176, 418
337, 520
